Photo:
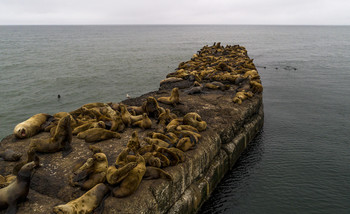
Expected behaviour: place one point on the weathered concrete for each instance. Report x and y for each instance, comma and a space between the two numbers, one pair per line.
230, 128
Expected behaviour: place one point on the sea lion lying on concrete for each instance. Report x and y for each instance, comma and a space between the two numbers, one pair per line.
241, 96
97, 134
155, 173
145, 123
31, 126
195, 120
60, 141
10, 155
173, 99
132, 181
18, 190
87, 126
86, 203
94, 169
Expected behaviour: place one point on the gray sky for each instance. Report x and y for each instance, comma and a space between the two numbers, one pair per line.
298, 12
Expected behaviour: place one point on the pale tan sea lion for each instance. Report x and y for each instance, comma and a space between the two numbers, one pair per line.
31, 126
86, 203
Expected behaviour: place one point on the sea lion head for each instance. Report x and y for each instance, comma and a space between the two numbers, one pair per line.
100, 157
63, 209
21, 132
26, 170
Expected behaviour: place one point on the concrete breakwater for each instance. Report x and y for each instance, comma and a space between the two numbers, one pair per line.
231, 126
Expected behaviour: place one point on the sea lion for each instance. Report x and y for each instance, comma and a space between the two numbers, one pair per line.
152, 108
186, 127
31, 126
132, 181
154, 173
10, 155
61, 140
145, 123
156, 141
253, 74
31, 156
180, 154
195, 120
173, 124
94, 170
116, 175
185, 144
18, 190
173, 99
241, 96
87, 126
86, 203
128, 118
256, 86
134, 142
151, 160
97, 134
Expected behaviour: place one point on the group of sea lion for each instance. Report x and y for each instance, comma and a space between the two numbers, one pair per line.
212, 68
219, 67
141, 159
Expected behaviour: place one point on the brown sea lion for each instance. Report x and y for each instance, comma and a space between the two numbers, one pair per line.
31, 156
180, 154
134, 142
155, 173
87, 126
97, 134
241, 96
31, 126
18, 190
195, 120
86, 203
156, 141
185, 144
173, 124
173, 99
10, 155
94, 170
128, 118
145, 123
132, 181
7, 180
116, 175
61, 140
256, 86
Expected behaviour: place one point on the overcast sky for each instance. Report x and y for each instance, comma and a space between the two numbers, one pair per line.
290, 12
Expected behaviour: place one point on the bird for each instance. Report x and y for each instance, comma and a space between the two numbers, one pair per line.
128, 96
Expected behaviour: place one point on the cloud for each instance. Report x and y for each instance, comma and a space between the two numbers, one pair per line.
174, 12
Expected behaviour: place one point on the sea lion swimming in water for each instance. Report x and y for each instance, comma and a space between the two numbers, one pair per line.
31, 126
18, 190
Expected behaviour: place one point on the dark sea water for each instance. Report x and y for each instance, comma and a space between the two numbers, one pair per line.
299, 162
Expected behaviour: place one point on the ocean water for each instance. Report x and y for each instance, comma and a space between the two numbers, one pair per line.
299, 162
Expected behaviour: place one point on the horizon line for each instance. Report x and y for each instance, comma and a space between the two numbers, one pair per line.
320, 25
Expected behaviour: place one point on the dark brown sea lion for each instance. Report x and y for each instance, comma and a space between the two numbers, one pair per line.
86, 203
10, 155
18, 190
60, 141
31, 126
31, 156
